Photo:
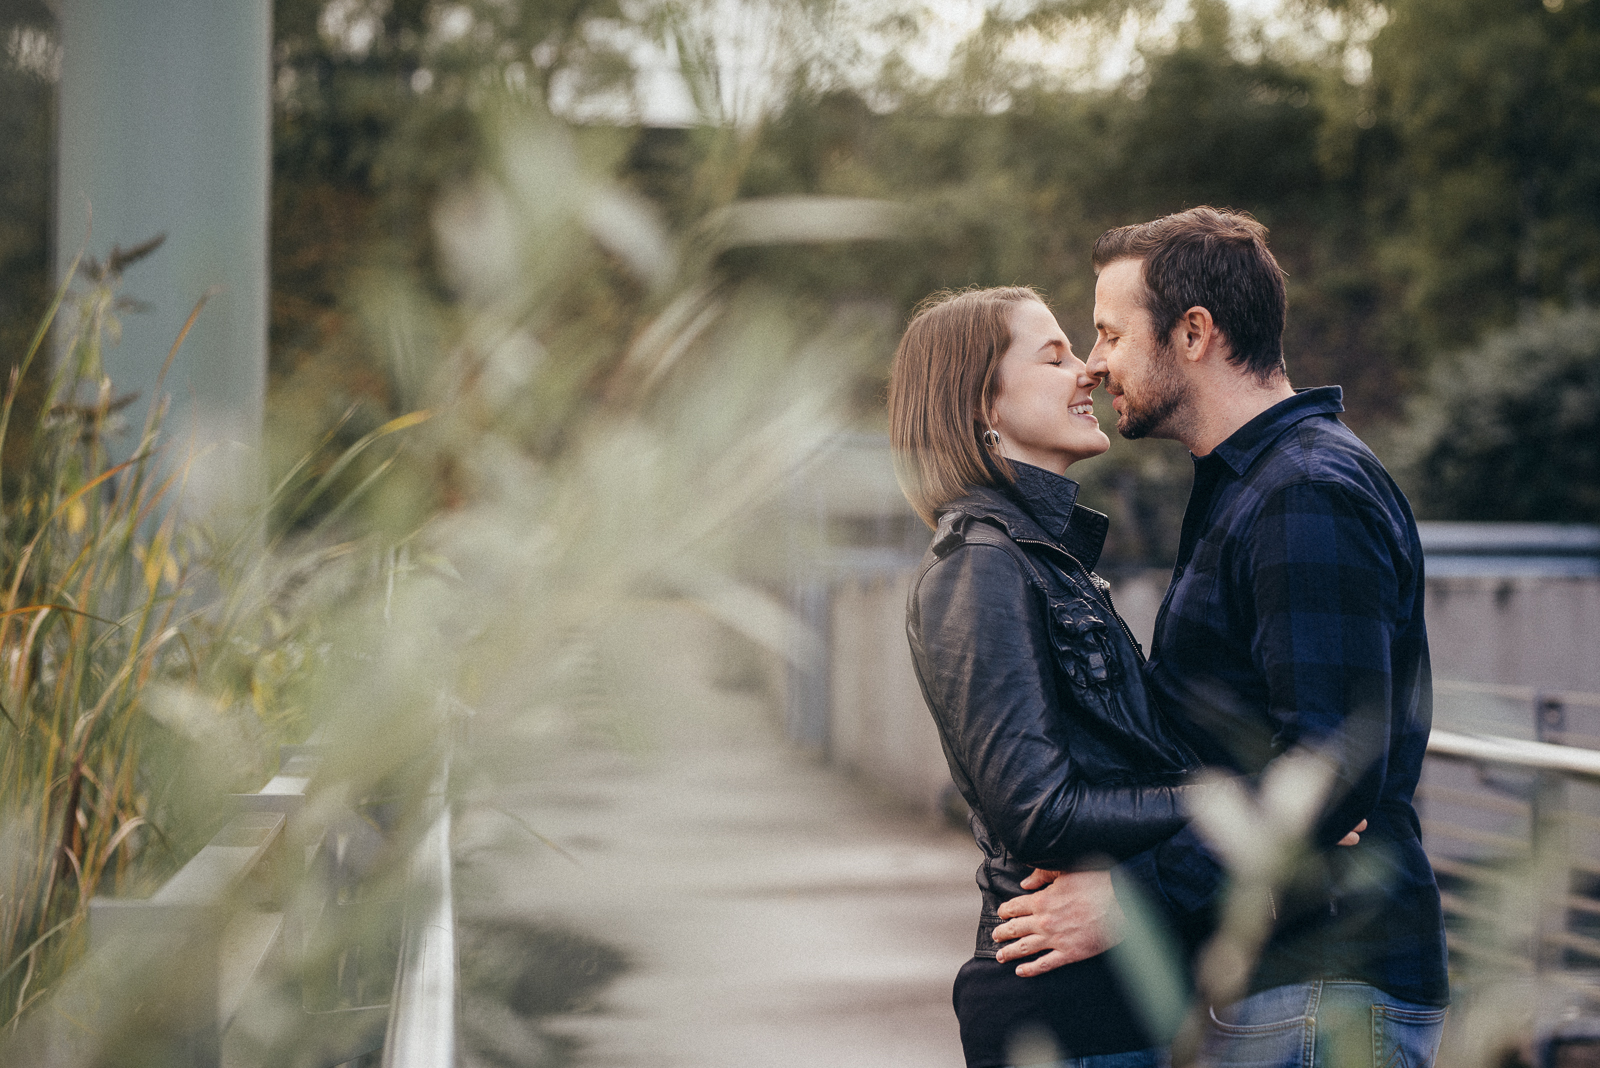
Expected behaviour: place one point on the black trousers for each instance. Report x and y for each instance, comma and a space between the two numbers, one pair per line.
1081, 1007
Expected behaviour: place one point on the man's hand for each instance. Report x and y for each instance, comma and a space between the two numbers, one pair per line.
1075, 916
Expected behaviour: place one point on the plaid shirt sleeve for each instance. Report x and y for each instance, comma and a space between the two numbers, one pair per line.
1183, 881
1326, 601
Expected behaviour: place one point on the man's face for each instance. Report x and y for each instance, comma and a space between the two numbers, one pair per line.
1139, 370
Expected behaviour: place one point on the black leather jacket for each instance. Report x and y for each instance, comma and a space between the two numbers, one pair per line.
1035, 684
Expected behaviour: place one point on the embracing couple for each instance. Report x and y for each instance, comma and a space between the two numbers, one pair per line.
1293, 625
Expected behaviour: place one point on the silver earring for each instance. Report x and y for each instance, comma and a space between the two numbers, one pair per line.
991, 438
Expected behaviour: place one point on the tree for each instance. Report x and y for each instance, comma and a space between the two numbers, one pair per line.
376, 117
1510, 429
1483, 163
29, 65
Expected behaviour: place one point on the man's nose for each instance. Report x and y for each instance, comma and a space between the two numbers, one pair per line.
1095, 367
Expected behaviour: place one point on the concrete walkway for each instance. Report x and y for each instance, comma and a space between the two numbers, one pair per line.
723, 899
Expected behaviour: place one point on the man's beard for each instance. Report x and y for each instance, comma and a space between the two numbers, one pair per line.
1161, 396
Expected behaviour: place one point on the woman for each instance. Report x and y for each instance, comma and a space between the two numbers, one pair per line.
1031, 675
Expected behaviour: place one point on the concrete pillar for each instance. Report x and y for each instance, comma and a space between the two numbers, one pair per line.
165, 124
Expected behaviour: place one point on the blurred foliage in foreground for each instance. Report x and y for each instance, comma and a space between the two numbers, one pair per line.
537, 401
540, 482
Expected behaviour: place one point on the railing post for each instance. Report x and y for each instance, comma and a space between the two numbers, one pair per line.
1553, 869
1550, 845
172, 973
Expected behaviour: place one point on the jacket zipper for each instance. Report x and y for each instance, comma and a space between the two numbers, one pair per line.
1106, 593
1103, 596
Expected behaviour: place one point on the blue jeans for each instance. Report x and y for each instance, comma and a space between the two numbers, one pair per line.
1330, 1023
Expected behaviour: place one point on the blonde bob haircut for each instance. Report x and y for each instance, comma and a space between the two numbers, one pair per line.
941, 390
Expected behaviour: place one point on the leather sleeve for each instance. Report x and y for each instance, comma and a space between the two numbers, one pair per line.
983, 654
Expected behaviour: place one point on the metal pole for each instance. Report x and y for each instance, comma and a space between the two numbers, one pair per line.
164, 127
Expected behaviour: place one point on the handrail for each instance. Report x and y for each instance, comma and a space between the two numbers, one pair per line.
1493, 749
235, 945
422, 1016
1488, 822
190, 914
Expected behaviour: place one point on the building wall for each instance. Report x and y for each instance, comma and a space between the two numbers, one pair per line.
1536, 632
880, 729
164, 128
1524, 631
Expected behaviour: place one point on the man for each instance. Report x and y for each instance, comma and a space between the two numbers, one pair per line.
1293, 622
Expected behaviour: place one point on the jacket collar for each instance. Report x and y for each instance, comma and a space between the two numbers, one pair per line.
1250, 440
1039, 506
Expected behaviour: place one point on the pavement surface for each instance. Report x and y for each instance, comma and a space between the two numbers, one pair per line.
679, 886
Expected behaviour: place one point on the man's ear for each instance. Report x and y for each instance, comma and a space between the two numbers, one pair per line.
1195, 333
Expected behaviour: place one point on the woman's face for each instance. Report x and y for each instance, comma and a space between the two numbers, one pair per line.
1042, 408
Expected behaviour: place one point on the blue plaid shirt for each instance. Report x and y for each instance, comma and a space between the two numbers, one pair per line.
1294, 619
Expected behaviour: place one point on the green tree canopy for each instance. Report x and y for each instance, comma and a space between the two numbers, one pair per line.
1510, 429
1484, 162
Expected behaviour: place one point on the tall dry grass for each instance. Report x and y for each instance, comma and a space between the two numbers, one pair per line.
95, 607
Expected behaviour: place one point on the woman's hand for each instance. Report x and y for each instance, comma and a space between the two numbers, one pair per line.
1354, 837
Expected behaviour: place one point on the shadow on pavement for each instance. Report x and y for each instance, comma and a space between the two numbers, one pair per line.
515, 975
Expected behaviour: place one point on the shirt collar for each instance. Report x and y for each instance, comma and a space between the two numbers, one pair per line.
1250, 440
1051, 500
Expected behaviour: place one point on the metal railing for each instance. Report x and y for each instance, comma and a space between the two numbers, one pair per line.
422, 1020
200, 963
1512, 827
1544, 715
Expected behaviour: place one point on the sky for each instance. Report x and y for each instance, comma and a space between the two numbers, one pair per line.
749, 43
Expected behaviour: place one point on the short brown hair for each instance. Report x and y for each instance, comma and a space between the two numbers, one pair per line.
1216, 260
940, 389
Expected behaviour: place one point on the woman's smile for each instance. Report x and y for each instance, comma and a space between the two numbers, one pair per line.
1039, 380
